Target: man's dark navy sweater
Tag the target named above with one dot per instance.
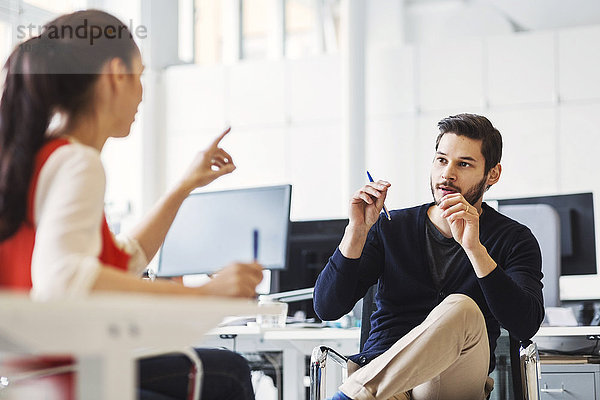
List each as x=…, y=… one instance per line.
x=394, y=257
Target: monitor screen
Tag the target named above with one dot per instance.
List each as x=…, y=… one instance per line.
x=577, y=234
x=213, y=229
x=311, y=245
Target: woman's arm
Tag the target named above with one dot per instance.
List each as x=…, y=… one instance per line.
x=236, y=280
x=68, y=215
x=207, y=166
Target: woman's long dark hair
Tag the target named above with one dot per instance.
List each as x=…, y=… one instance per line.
x=50, y=73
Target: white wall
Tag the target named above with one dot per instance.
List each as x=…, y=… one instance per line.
x=286, y=114
x=123, y=158
x=285, y=119
x=529, y=84
x=541, y=89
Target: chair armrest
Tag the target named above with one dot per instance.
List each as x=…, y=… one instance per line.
x=320, y=353
x=531, y=371
x=318, y=370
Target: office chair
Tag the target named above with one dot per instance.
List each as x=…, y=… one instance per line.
x=524, y=359
x=194, y=388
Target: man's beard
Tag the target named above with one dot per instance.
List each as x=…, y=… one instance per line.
x=472, y=196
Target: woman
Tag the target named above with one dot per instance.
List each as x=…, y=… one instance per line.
x=63, y=97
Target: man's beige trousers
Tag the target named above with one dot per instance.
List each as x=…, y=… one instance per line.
x=446, y=357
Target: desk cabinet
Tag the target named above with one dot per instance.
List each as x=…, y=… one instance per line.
x=570, y=381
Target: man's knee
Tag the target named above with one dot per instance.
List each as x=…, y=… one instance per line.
x=464, y=308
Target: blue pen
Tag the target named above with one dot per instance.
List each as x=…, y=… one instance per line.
x=255, y=244
x=387, y=213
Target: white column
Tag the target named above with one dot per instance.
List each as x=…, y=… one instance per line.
x=154, y=140
x=160, y=49
x=353, y=95
x=319, y=8
x=161, y=18
x=232, y=31
x=276, y=46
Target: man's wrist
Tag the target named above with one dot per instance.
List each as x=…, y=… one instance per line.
x=482, y=262
x=353, y=241
x=477, y=251
x=357, y=229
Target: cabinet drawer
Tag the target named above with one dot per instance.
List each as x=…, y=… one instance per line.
x=572, y=386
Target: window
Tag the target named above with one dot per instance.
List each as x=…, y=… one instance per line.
x=22, y=19
x=208, y=32
x=261, y=29
x=311, y=27
x=5, y=40
x=256, y=22
x=56, y=6
x=33, y=14
x=300, y=29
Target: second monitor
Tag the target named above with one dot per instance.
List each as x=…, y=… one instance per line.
x=311, y=244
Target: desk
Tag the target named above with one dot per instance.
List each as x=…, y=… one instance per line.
x=297, y=343
x=105, y=332
x=572, y=381
x=546, y=331
x=294, y=343
x=566, y=338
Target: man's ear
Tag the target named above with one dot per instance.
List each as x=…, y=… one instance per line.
x=494, y=175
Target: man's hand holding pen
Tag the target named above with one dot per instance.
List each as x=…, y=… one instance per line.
x=365, y=206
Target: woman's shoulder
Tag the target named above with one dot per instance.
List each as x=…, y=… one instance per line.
x=72, y=174
x=74, y=155
x=72, y=163
x=73, y=148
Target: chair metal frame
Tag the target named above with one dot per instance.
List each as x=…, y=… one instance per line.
x=526, y=370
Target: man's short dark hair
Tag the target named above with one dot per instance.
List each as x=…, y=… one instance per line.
x=475, y=127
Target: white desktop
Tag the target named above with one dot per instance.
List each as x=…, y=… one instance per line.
x=105, y=333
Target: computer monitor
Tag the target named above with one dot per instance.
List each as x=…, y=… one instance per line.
x=213, y=229
x=311, y=244
x=577, y=233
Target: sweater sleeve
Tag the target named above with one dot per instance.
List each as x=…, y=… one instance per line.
x=344, y=281
x=514, y=291
x=138, y=261
x=68, y=208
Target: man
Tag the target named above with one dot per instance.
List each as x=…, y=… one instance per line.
x=448, y=275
